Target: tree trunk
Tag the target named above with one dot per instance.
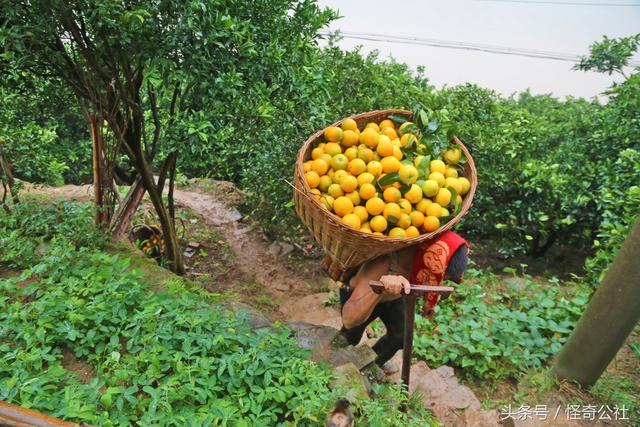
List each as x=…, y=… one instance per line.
x=100, y=176
x=121, y=220
x=173, y=255
x=5, y=168
x=608, y=320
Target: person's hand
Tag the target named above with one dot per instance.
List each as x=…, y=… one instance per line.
x=394, y=285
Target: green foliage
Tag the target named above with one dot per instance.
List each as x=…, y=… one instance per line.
x=45, y=137
x=620, y=198
x=610, y=55
x=25, y=233
x=495, y=331
x=247, y=84
x=166, y=357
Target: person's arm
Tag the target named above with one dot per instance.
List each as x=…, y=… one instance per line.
x=359, y=306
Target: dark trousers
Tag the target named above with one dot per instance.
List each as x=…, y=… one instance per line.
x=392, y=315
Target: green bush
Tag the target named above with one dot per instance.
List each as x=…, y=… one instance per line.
x=25, y=233
x=170, y=357
x=46, y=139
x=492, y=332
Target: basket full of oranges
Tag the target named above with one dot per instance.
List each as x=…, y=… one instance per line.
x=375, y=182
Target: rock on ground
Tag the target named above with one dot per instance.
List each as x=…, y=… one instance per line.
x=453, y=404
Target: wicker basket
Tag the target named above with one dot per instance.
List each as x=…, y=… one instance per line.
x=346, y=246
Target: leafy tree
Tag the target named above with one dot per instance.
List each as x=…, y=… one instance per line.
x=148, y=71
x=610, y=55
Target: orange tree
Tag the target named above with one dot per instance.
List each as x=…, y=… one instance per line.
x=143, y=73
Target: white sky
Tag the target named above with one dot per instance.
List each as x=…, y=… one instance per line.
x=558, y=28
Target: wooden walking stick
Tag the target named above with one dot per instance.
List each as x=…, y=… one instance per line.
x=409, y=320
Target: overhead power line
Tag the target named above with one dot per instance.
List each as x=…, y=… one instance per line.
x=566, y=3
x=449, y=44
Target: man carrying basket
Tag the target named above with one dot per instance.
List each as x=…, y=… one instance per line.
x=442, y=258
x=398, y=235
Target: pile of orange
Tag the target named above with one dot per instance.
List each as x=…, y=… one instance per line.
x=346, y=173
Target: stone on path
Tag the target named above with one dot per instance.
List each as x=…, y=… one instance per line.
x=310, y=309
x=349, y=377
x=254, y=317
x=453, y=404
x=328, y=346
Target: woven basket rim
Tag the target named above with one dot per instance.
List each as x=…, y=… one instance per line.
x=407, y=241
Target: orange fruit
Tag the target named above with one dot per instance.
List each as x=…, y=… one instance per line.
x=362, y=213
x=375, y=206
x=433, y=209
x=423, y=205
x=342, y=206
x=385, y=147
x=320, y=167
x=349, y=124
x=327, y=202
x=372, y=125
x=412, y=231
x=333, y=134
x=397, y=152
x=451, y=173
x=392, y=212
x=326, y=157
x=334, y=190
x=453, y=155
x=397, y=232
x=405, y=205
x=354, y=197
x=404, y=221
x=338, y=175
x=367, y=191
x=365, y=153
x=365, y=178
x=306, y=166
x=408, y=175
x=443, y=198
x=390, y=164
x=431, y=223
x=349, y=183
x=374, y=168
x=370, y=138
x=444, y=213
x=339, y=162
x=466, y=185
x=436, y=166
x=391, y=194
x=349, y=138
x=387, y=123
x=378, y=223
x=332, y=148
x=389, y=132
x=437, y=177
x=325, y=183
x=316, y=153
x=312, y=179
x=352, y=220
x=351, y=153
x=417, y=218
x=356, y=167
x=453, y=182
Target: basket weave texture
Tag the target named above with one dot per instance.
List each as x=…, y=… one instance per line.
x=346, y=246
